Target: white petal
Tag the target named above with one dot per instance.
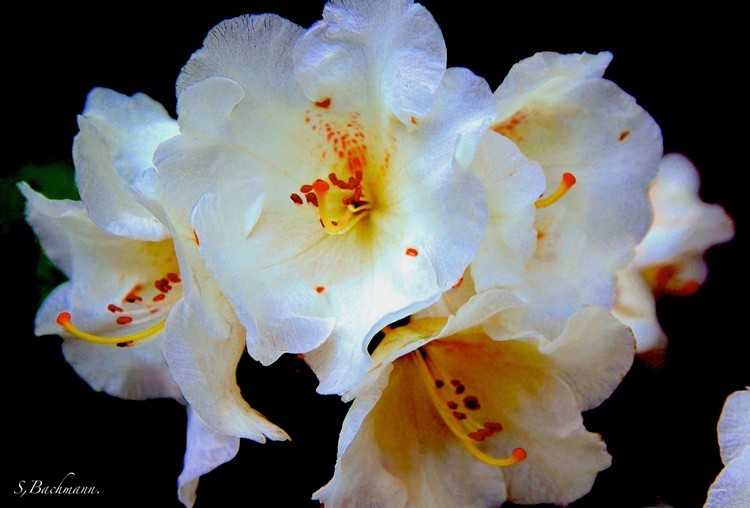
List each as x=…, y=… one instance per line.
x=684, y=227
x=136, y=373
x=734, y=426
x=592, y=355
x=364, y=53
x=512, y=183
x=205, y=450
x=118, y=137
x=204, y=366
x=571, y=120
x=563, y=458
x=636, y=307
x=731, y=489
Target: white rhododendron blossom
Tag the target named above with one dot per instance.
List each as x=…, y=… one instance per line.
x=322, y=174
x=110, y=313
x=477, y=409
x=120, y=291
x=599, y=151
x=732, y=487
x=669, y=260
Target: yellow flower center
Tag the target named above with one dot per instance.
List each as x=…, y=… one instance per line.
x=343, y=194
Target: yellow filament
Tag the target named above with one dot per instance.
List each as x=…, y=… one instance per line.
x=518, y=454
x=63, y=319
x=568, y=181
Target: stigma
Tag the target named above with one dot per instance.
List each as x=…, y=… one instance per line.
x=568, y=181
x=461, y=411
x=64, y=319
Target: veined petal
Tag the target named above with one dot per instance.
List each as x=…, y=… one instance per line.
x=364, y=53
x=205, y=450
x=118, y=137
x=635, y=306
x=734, y=426
x=592, y=355
x=512, y=183
x=562, y=114
x=731, y=489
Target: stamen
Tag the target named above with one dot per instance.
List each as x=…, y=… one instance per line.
x=63, y=319
x=568, y=181
x=328, y=209
x=462, y=425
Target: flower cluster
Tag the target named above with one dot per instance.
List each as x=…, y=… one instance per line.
x=471, y=269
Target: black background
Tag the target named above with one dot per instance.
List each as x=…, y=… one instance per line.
x=681, y=66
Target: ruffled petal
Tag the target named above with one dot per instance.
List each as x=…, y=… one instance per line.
x=731, y=489
x=512, y=183
x=684, y=227
x=563, y=115
x=635, y=306
x=205, y=450
x=118, y=137
x=365, y=53
x=592, y=355
x=734, y=426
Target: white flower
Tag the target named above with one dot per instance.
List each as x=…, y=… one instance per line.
x=669, y=260
x=323, y=175
x=599, y=151
x=480, y=408
x=732, y=487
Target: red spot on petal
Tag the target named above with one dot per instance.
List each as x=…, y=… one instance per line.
x=471, y=403
x=624, y=135
x=306, y=188
x=195, y=236
x=296, y=199
x=458, y=415
x=458, y=284
x=125, y=344
x=325, y=103
x=412, y=252
x=414, y=121
x=320, y=289
x=493, y=426
x=439, y=383
x=123, y=320
x=159, y=297
x=113, y=308
x=173, y=277
x=477, y=436
x=452, y=405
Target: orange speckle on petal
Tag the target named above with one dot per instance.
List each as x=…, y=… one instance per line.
x=412, y=252
x=159, y=297
x=414, y=120
x=123, y=320
x=624, y=135
x=325, y=103
x=113, y=308
x=195, y=236
x=320, y=289
x=458, y=283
